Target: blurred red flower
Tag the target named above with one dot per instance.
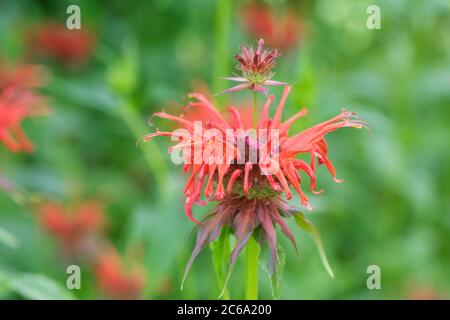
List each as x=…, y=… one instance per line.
x=19, y=101
x=75, y=229
x=115, y=281
x=22, y=75
x=425, y=292
x=55, y=40
x=17, y=104
x=279, y=30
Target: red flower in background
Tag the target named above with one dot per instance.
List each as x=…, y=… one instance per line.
x=279, y=30
x=22, y=75
x=115, y=281
x=79, y=231
x=17, y=102
x=55, y=40
x=76, y=228
x=423, y=291
x=248, y=196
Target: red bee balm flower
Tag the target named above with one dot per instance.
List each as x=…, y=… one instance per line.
x=17, y=104
x=114, y=280
x=257, y=69
x=55, y=40
x=19, y=101
x=281, y=29
x=22, y=75
x=73, y=229
x=251, y=195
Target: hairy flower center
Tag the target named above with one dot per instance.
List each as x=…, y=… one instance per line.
x=258, y=76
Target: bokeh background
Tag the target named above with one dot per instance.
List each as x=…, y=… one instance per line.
x=89, y=190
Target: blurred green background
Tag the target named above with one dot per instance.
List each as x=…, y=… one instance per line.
x=393, y=210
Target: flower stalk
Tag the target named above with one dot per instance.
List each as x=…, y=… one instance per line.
x=251, y=269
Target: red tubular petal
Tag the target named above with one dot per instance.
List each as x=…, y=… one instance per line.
x=260, y=48
x=289, y=171
x=245, y=52
x=9, y=141
x=150, y=136
x=308, y=137
x=264, y=118
x=188, y=187
x=236, y=117
x=208, y=189
x=275, y=186
x=248, y=167
x=223, y=169
x=277, y=117
x=284, y=184
x=236, y=173
x=185, y=123
x=209, y=107
x=330, y=168
x=194, y=195
x=188, y=209
x=302, y=165
x=286, y=125
x=25, y=144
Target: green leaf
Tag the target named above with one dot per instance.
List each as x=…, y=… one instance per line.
x=8, y=239
x=220, y=253
x=4, y=284
x=276, y=276
x=122, y=76
x=309, y=227
x=38, y=287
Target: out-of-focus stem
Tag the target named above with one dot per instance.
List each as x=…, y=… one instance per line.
x=222, y=43
x=152, y=154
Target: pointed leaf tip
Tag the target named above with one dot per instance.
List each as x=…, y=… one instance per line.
x=309, y=227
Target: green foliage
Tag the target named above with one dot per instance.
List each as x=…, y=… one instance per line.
x=392, y=209
x=34, y=287
x=309, y=227
x=220, y=249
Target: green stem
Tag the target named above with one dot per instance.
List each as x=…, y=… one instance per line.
x=222, y=27
x=251, y=269
x=255, y=109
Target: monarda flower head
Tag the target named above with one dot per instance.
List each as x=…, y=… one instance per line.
x=257, y=67
x=249, y=175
